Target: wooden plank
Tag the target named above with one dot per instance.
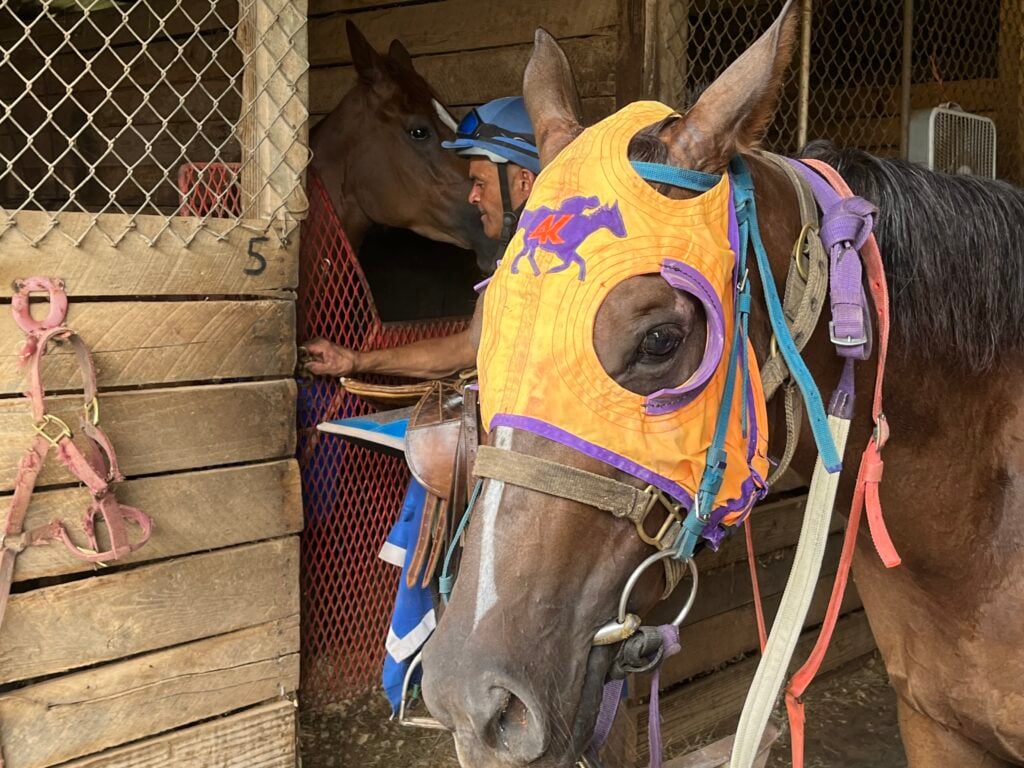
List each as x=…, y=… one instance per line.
x=134, y=150
x=193, y=512
x=473, y=77
x=163, y=430
x=140, y=23
x=275, y=99
x=458, y=25
x=167, y=61
x=633, y=60
x=161, y=342
x=776, y=525
x=713, y=703
x=219, y=100
x=154, y=606
x=721, y=638
x=89, y=711
x=594, y=109
x=261, y=737
x=146, y=188
x=215, y=263
x=322, y=7
x=597, y=109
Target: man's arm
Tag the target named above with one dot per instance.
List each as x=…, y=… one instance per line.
x=426, y=359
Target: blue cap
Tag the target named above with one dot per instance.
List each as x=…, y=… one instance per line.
x=501, y=131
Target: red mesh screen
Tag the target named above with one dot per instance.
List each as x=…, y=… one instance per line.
x=209, y=189
x=352, y=495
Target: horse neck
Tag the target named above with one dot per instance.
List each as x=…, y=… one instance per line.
x=331, y=143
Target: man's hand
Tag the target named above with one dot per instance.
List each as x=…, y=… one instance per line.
x=327, y=359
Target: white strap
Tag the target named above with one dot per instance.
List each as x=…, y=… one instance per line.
x=789, y=621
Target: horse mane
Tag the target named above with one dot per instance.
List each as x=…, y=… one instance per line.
x=953, y=247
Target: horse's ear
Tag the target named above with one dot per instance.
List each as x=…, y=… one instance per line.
x=365, y=58
x=399, y=53
x=552, y=99
x=735, y=110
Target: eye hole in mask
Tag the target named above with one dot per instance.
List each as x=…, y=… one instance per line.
x=649, y=335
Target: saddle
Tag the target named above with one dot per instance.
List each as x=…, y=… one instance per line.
x=440, y=447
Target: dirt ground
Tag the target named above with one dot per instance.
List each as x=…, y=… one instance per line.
x=851, y=724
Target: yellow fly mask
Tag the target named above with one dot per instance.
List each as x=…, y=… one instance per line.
x=592, y=222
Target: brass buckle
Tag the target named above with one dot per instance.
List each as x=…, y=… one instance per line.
x=63, y=429
x=657, y=496
x=92, y=411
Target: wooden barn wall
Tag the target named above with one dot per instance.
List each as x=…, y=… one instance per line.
x=186, y=652
x=471, y=51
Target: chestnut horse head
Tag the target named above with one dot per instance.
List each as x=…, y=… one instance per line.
x=380, y=158
x=513, y=668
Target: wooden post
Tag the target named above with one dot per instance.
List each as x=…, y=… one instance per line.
x=672, y=36
x=653, y=35
x=1009, y=128
x=273, y=130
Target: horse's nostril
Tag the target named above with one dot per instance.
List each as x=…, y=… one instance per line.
x=516, y=731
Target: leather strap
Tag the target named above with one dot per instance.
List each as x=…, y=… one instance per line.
x=439, y=537
x=431, y=503
x=554, y=479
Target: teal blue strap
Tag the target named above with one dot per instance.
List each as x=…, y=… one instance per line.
x=714, y=468
x=743, y=187
x=447, y=580
x=695, y=181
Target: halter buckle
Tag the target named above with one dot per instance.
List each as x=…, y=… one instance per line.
x=63, y=429
x=92, y=411
x=847, y=341
x=656, y=496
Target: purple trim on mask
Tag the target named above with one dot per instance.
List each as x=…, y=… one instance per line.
x=683, y=277
x=551, y=432
x=752, y=490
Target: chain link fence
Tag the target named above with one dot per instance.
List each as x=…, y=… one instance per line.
x=102, y=103
x=966, y=52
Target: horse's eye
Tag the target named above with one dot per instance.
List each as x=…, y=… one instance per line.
x=419, y=134
x=659, y=342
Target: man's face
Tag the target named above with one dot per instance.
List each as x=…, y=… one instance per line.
x=485, y=194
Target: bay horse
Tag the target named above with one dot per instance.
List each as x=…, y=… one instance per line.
x=512, y=669
x=379, y=155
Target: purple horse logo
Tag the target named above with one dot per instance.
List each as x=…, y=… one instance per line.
x=562, y=230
